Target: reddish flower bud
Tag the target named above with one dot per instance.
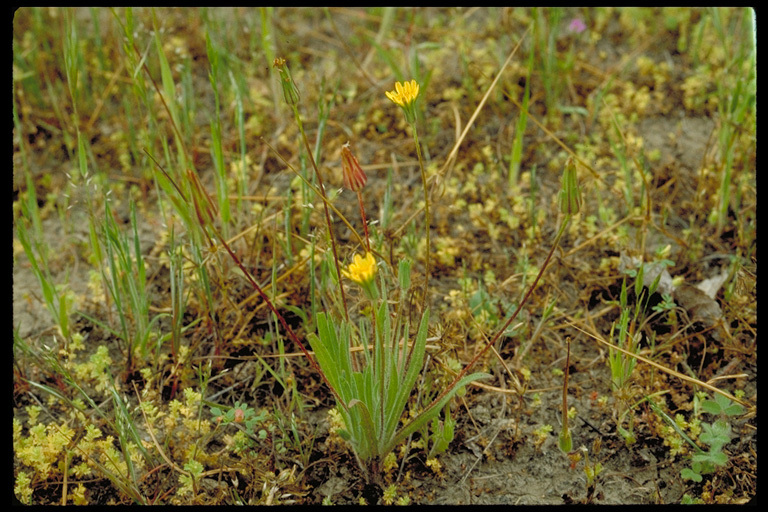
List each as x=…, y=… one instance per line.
x=354, y=177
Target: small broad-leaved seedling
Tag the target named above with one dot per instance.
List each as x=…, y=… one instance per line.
x=241, y=414
x=714, y=435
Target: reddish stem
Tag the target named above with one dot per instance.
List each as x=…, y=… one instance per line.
x=365, y=222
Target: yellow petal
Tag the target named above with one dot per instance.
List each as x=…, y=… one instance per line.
x=411, y=90
x=415, y=88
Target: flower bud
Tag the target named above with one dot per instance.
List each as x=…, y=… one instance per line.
x=290, y=92
x=354, y=177
x=570, y=194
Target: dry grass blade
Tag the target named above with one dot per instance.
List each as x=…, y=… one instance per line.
x=455, y=150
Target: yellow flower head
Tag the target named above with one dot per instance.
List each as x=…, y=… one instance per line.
x=405, y=95
x=362, y=270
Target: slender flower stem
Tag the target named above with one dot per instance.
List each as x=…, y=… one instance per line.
x=405, y=95
x=365, y=222
x=564, y=439
x=325, y=208
x=292, y=97
x=427, y=221
x=565, y=385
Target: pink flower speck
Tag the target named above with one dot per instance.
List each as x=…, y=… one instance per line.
x=577, y=26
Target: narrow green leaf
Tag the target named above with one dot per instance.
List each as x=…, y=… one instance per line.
x=368, y=450
x=413, y=366
x=426, y=415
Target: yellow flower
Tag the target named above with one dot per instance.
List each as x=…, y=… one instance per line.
x=404, y=94
x=362, y=269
